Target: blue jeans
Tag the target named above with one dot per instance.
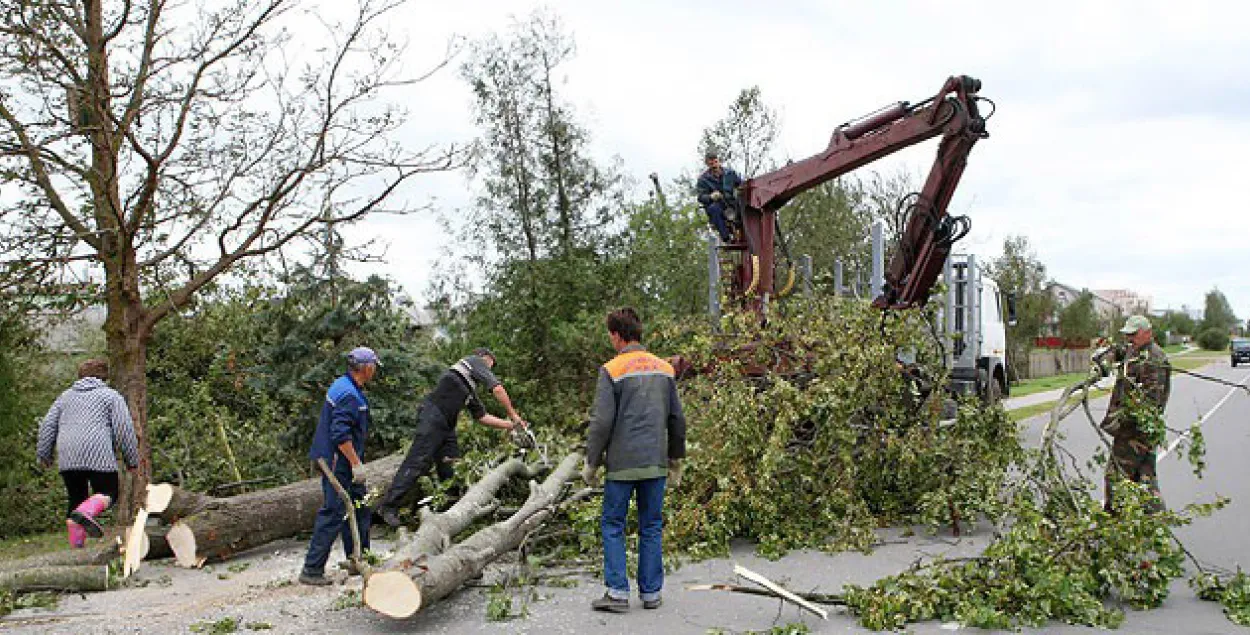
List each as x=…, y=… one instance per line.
x=332, y=520
x=616, y=495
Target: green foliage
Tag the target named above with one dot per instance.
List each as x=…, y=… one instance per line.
x=220, y=627
x=1174, y=323
x=34, y=497
x=1061, y=559
x=499, y=605
x=10, y=601
x=745, y=136
x=1078, y=322
x=824, y=449
x=1019, y=271
x=1217, y=314
x=1232, y=591
x=1213, y=339
x=254, y=364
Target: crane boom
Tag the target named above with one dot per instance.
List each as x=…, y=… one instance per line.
x=928, y=230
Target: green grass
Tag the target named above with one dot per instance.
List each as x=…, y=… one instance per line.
x=1173, y=349
x=22, y=546
x=1042, y=384
x=1020, y=414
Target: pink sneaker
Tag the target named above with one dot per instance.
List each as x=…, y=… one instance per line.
x=77, y=535
x=84, y=515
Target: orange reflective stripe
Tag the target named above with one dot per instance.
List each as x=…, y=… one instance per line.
x=637, y=362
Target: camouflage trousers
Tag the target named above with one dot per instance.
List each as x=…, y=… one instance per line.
x=1133, y=460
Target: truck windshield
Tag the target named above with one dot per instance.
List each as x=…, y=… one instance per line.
x=1241, y=345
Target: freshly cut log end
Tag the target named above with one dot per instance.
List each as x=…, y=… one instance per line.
x=393, y=594
x=182, y=542
x=136, y=544
x=159, y=496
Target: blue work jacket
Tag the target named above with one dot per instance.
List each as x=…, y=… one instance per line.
x=344, y=417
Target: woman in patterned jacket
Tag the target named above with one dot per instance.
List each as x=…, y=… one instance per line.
x=83, y=425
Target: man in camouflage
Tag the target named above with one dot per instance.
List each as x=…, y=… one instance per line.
x=1135, y=416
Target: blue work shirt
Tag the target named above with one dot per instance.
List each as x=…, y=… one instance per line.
x=344, y=417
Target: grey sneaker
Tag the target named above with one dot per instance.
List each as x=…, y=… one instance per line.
x=610, y=604
x=312, y=579
x=653, y=604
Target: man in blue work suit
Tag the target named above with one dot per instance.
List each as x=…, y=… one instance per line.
x=340, y=440
x=717, y=189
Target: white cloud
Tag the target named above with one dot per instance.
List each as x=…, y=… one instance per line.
x=1119, y=145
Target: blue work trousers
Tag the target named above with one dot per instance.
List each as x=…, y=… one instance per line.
x=332, y=520
x=616, y=495
x=716, y=216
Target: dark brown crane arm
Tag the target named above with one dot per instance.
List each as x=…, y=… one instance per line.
x=929, y=231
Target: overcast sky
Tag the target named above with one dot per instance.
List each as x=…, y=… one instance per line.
x=1119, y=146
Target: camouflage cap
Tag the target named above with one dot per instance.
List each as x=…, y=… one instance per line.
x=1134, y=324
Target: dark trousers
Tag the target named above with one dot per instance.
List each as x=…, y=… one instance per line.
x=77, y=483
x=716, y=216
x=433, y=445
x=1134, y=460
x=332, y=520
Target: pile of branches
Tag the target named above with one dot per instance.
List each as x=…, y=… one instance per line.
x=834, y=439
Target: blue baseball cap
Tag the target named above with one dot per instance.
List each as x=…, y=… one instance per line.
x=362, y=355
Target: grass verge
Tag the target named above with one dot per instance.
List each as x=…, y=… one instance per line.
x=22, y=546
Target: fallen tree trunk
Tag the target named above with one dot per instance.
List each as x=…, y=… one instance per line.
x=222, y=527
x=92, y=577
x=436, y=531
x=65, y=558
x=402, y=593
x=173, y=503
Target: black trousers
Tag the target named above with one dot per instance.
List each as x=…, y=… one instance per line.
x=77, y=482
x=434, y=443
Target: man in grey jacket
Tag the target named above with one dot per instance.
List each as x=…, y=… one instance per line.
x=637, y=425
x=84, y=425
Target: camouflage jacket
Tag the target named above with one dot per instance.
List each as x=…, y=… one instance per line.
x=1145, y=370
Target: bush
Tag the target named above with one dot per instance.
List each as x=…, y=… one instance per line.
x=1213, y=339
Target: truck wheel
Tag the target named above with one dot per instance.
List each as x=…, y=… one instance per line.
x=993, y=392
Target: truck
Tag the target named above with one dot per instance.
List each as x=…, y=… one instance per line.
x=976, y=316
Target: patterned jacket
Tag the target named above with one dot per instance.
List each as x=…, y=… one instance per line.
x=84, y=424
x=1147, y=370
x=637, y=420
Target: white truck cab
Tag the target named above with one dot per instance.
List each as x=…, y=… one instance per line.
x=976, y=315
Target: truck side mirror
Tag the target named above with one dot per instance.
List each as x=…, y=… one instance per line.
x=1011, y=308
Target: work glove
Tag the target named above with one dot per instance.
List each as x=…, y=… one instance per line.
x=674, y=472
x=716, y=196
x=590, y=474
x=358, y=474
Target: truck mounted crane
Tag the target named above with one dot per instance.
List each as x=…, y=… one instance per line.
x=928, y=230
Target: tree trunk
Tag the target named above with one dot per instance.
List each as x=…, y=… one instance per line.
x=400, y=593
x=93, y=577
x=223, y=527
x=436, y=531
x=63, y=558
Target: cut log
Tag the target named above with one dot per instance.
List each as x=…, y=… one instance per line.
x=173, y=503
x=400, y=594
x=93, y=577
x=223, y=527
x=136, y=544
x=65, y=558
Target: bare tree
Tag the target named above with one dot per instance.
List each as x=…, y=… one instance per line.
x=166, y=142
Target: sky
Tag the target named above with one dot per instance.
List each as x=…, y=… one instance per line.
x=1118, y=147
